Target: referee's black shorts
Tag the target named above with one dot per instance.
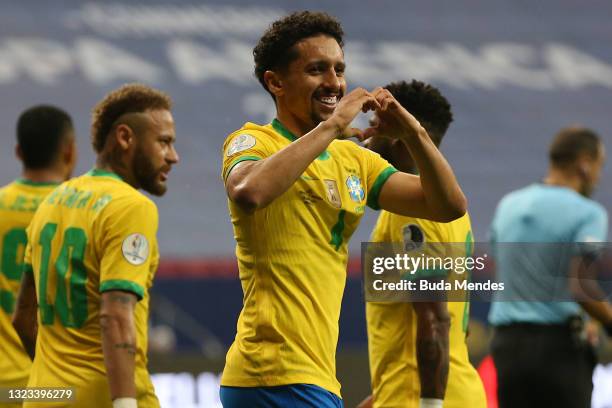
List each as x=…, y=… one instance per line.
x=542, y=366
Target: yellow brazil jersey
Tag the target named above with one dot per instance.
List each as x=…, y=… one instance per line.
x=92, y=234
x=18, y=202
x=392, y=328
x=292, y=258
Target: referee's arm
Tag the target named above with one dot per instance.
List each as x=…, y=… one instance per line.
x=588, y=293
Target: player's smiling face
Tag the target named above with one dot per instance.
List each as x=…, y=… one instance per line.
x=155, y=154
x=313, y=83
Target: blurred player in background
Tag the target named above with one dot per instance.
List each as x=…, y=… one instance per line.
x=296, y=195
x=408, y=344
x=93, y=254
x=541, y=357
x=47, y=149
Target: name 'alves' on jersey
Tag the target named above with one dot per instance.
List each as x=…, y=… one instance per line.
x=292, y=258
x=392, y=327
x=18, y=202
x=92, y=234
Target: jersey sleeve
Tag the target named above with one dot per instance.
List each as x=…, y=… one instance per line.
x=594, y=227
x=425, y=240
x=128, y=246
x=382, y=230
x=378, y=171
x=244, y=145
x=27, y=258
x=591, y=233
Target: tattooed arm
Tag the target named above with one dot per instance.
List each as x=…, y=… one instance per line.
x=119, y=341
x=24, y=319
x=433, y=323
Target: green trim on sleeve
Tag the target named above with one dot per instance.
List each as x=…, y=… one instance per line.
x=27, y=268
x=377, y=187
x=120, y=284
x=239, y=160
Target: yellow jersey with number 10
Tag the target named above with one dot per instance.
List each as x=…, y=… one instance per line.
x=92, y=234
x=18, y=202
x=392, y=327
x=292, y=258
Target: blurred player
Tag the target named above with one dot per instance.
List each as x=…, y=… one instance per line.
x=93, y=253
x=541, y=356
x=296, y=195
x=402, y=335
x=46, y=147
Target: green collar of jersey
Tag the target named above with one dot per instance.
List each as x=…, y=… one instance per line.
x=103, y=173
x=27, y=182
x=286, y=133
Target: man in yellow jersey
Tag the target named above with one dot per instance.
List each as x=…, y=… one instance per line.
x=296, y=194
x=93, y=254
x=47, y=149
x=401, y=336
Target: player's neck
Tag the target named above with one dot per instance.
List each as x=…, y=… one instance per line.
x=42, y=175
x=293, y=124
x=561, y=178
x=118, y=168
x=405, y=166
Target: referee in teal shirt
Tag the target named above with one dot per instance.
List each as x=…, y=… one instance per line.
x=540, y=356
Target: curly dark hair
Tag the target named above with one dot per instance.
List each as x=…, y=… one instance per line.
x=427, y=104
x=275, y=48
x=129, y=98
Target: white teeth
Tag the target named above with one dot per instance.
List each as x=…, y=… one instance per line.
x=329, y=99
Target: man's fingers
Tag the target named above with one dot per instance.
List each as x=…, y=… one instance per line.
x=370, y=104
x=377, y=91
x=368, y=133
x=352, y=132
x=384, y=104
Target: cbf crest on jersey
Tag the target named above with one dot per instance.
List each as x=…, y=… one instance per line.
x=354, y=187
x=240, y=143
x=135, y=249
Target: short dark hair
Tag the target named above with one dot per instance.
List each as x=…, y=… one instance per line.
x=274, y=49
x=572, y=142
x=129, y=98
x=426, y=104
x=41, y=130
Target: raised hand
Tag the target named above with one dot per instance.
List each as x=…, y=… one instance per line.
x=358, y=100
x=393, y=120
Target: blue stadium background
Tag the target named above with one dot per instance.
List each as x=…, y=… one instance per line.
x=514, y=71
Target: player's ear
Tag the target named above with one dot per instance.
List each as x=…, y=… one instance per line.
x=583, y=167
x=124, y=136
x=18, y=152
x=70, y=157
x=273, y=82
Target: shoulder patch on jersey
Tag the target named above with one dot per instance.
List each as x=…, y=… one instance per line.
x=135, y=249
x=240, y=143
x=413, y=237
